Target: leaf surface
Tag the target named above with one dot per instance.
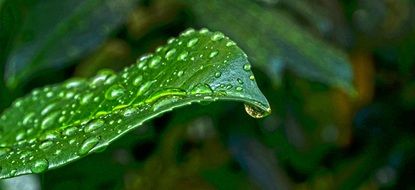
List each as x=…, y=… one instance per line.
x=57, y=124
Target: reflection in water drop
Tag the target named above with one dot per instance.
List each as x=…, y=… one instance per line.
x=256, y=112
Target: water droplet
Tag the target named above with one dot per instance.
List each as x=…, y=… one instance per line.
x=155, y=62
x=45, y=144
x=228, y=44
x=255, y=112
x=240, y=81
x=247, y=67
x=86, y=99
x=239, y=88
x=101, y=77
x=49, y=120
x=88, y=145
x=144, y=88
x=188, y=32
x=203, y=31
x=164, y=102
x=69, y=131
x=114, y=92
x=217, y=36
x=40, y=166
x=218, y=74
x=170, y=54
x=213, y=54
x=73, y=83
x=28, y=118
x=94, y=125
x=137, y=80
x=129, y=112
x=47, y=109
x=251, y=77
x=180, y=73
x=182, y=55
x=201, y=89
x=192, y=42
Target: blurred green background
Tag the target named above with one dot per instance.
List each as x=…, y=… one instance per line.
x=339, y=75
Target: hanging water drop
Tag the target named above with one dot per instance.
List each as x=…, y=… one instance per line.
x=255, y=112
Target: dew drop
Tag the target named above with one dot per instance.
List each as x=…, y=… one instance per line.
x=188, y=32
x=255, y=112
x=239, y=81
x=228, y=44
x=94, y=125
x=88, y=145
x=129, y=112
x=40, y=166
x=45, y=144
x=86, y=99
x=203, y=31
x=144, y=88
x=247, y=67
x=217, y=36
x=251, y=77
x=69, y=131
x=49, y=120
x=73, y=83
x=155, y=62
x=137, y=80
x=218, y=74
x=213, y=54
x=170, y=54
x=180, y=73
x=192, y=42
x=182, y=56
x=114, y=92
x=28, y=118
x=201, y=89
x=239, y=88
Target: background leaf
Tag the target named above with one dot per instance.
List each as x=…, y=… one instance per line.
x=69, y=30
x=58, y=124
x=278, y=43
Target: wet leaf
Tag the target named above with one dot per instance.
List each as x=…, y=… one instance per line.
x=68, y=30
x=57, y=124
x=275, y=41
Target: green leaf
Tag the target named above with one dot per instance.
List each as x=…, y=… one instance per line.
x=55, y=33
x=61, y=123
x=275, y=42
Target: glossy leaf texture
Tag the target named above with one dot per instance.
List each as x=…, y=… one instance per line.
x=275, y=42
x=61, y=123
x=70, y=29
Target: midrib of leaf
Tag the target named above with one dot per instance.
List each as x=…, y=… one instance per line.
x=39, y=118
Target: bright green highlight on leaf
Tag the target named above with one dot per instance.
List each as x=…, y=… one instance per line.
x=61, y=123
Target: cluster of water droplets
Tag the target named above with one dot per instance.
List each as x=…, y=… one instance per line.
x=82, y=114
